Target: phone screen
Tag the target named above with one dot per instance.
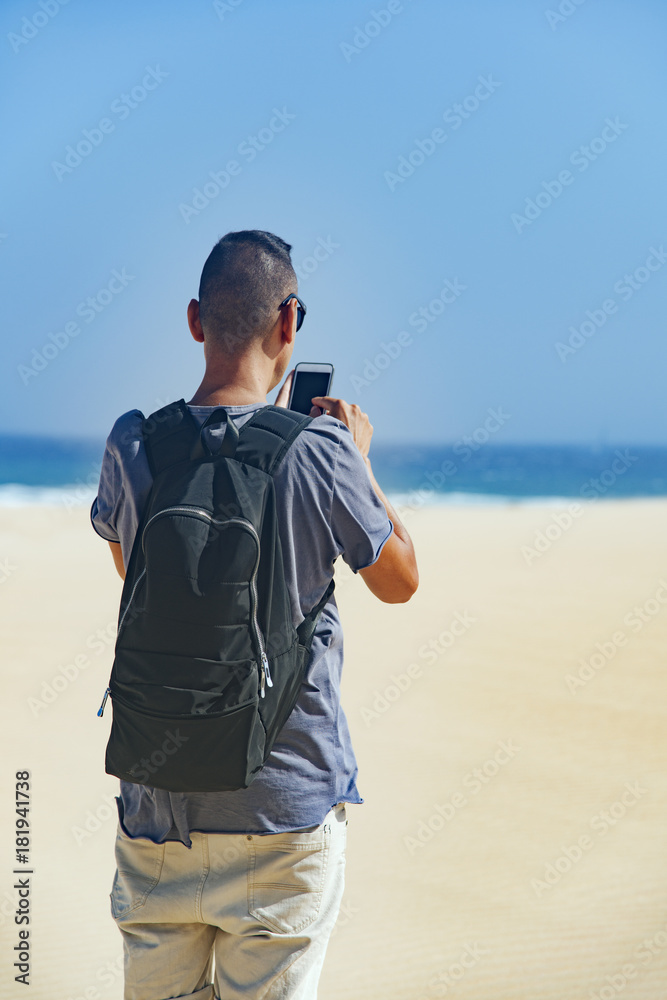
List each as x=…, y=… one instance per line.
x=307, y=385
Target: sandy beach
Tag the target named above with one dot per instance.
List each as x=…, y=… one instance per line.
x=509, y=724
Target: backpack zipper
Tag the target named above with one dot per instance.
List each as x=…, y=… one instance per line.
x=205, y=515
x=100, y=711
x=136, y=584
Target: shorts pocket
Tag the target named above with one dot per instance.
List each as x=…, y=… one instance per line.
x=286, y=877
x=138, y=868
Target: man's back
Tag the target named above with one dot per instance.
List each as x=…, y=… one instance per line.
x=326, y=507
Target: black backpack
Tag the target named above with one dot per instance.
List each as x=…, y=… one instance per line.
x=208, y=664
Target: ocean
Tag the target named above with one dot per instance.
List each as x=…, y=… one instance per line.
x=45, y=470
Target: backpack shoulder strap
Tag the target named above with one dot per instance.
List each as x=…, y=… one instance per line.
x=265, y=438
x=169, y=435
x=263, y=442
x=306, y=630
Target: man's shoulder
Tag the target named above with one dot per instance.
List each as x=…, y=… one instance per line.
x=131, y=421
x=126, y=432
x=325, y=433
x=324, y=452
x=318, y=446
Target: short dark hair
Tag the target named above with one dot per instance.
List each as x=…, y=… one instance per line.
x=245, y=278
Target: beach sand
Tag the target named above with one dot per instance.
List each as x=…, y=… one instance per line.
x=512, y=841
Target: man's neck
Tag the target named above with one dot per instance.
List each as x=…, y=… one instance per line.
x=238, y=387
x=227, y=396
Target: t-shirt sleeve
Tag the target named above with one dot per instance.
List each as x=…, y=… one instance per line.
x=104, y=510
x=115, y=511
x=359, y=521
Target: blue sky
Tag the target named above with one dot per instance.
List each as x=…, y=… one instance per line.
x=440, y=276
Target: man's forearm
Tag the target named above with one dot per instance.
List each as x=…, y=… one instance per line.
x=118, y=558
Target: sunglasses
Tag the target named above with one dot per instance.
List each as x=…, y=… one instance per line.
x=300, y=310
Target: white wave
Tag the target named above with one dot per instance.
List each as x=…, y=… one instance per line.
x=20, y=495
x=418, y=499
x=78, y=495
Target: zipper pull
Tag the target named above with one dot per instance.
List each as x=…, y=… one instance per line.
x=100, y=712
x=262, y=682
x=265, y=664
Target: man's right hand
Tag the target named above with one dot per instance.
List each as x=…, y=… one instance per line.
x=352, y=416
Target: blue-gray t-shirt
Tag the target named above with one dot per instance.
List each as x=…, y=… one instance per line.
x=326, y=507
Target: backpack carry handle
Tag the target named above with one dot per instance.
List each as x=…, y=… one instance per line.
x=229, y=441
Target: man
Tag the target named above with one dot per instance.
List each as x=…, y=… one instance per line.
x=253, y=878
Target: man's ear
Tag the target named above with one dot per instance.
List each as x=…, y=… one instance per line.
x=288, y=321
x=194, y=322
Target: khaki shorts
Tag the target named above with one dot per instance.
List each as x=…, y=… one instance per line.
x=235, y=915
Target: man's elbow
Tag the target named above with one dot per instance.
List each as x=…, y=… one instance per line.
x=405, y=590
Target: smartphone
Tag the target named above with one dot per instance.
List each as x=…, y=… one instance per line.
x=309, y=380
